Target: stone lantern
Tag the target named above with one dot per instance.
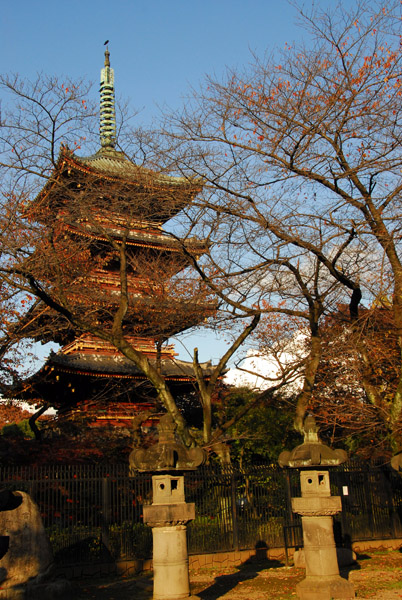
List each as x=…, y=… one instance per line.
x=316, y=507
x=169, y=513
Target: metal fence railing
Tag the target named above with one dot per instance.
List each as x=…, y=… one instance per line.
x=94, y=513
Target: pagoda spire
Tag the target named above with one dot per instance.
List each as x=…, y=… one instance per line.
x=107, y=108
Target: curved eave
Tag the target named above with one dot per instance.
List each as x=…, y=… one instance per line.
x=167, y=243
x=131, y=175
x=114, y=165
x=38, y=330
x=95, y=364
x=134, y=377
x=57, y=366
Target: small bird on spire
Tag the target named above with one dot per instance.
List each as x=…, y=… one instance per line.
x=106, y=43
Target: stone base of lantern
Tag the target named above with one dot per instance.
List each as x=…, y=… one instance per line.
x=322, y=581
x=170, y=563
x=315, y=588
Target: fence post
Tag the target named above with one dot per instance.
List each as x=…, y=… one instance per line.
x=290, y=518
x=369, y=503
x=393, y=516
x=342, y=479
x=234, y=512
x=105, y=515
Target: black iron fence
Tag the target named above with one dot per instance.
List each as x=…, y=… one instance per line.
x=94, y=513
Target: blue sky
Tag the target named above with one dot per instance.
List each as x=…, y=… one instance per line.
x=159, y=48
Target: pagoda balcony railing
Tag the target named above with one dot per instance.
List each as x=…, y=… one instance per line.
x=135, y=283
x=124, y=410
x=157, y=238
x=93, y=344
x=123, y=221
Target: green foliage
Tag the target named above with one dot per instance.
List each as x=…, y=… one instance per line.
x=82, y=543
x=18, y=430
x=205, y=535
x=262, y=434
x=85, y=542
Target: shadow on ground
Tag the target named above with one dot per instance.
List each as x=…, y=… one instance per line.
x=355, y=566
x=138, y=588
x=245, y=572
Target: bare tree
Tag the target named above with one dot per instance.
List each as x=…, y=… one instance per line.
x=72, y=257
x=301, y=160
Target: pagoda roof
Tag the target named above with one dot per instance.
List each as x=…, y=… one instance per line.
x=158, y=239
x=165, y=195
x=119, y=366
x=71, y=373
x=44, y=324
x=111, y=162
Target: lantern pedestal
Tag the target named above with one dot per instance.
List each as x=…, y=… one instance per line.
x=170, y=560
x=316, y=506
x=168, y=516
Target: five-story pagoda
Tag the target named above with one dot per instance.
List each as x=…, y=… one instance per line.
x=107, y=257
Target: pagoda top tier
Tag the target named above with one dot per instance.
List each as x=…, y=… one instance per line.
x=109, y=173
x=108, y=160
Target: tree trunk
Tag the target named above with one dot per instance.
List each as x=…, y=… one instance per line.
x=310, y=372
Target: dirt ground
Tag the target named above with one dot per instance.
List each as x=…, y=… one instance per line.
x=376, y=575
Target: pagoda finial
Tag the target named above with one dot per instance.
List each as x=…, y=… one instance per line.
x=107, y=109
x=107, y=54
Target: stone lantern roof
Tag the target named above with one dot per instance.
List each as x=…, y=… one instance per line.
x=168, y=454
x=312, y=452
